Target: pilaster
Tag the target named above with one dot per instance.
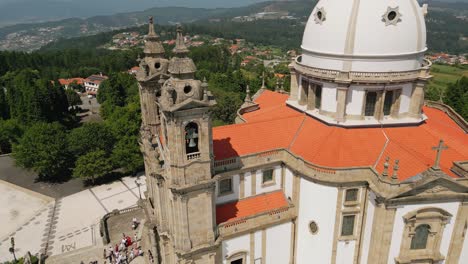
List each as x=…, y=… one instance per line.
x=381, y=238
x=459, y=235
x=417, y=99
x=310, y=96
x=342, y=92
x=294, y=84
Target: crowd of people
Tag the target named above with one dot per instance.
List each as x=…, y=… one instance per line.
x=126, y=251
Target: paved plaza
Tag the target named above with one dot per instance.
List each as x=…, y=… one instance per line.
x=38, y=222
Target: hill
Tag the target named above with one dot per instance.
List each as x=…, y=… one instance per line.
x=447, y=26
x=33, y=11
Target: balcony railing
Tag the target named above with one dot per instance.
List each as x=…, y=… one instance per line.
x=255, y=221
x=193, y=156
x=377, y=77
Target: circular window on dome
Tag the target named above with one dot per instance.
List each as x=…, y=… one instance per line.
x=320, y=15
x=313, y=227
x=187, y=89
x=157, y=65
x=392, y=16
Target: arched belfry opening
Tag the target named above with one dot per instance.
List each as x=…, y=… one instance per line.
x=191, y=138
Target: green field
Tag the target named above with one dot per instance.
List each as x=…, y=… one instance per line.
x=443, y=75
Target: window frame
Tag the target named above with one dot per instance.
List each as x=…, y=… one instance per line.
x=352, y=235
x=351, y=202
x=366, y=102
x=239, y=255
x=270, y=182
x=220, y=193
x=413, y=245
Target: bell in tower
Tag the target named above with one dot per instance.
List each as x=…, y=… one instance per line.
x=185, y=105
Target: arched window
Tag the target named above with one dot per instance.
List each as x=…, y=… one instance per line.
x=371, y=99
x=419, y=240
x=191, y=138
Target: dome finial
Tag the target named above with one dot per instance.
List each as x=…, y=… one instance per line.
x=151, y=31
x=247, y=96
x=263, y=81
x=180, y=47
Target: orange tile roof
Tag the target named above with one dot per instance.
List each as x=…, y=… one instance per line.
x=275, y=125
x=242, y=139
x=253, y=205
x=70, y=81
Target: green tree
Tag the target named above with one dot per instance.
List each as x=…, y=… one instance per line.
x=226, y=108
x=73, y=98
x=457, y=96
x=43, y=148
x=117, y=89
x=10, y=132
x=127, y=155
x=92, y=166
x=4, y=107
x=34, y=99
x=91, y=137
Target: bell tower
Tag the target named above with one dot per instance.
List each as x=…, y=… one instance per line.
x=187, y=223
x=153, y=68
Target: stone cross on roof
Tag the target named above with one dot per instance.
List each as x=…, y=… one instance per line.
x=439, y=149
x=263, y=81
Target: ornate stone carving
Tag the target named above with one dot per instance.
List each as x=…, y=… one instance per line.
x=392, y=16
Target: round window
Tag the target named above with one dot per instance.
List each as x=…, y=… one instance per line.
x=187, y=89
x=319, y=15
x=313, y=227
x=391, y=15
x=157, y=65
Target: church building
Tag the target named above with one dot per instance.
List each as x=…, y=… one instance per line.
x=351, y=166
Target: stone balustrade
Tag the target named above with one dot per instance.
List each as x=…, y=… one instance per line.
x=365, y=77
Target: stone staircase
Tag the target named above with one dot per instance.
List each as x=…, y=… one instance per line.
x=87, y=254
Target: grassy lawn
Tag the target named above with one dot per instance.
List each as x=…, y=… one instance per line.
x=443, y=75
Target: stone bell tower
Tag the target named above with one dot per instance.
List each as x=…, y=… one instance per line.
x=184, y=195
x=153, y=68
x=150, y=76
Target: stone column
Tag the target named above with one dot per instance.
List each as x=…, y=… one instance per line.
x=417, y=99
x=395, y=111
x=378, y=112
x=311, y=96
x=294, y=84
x=302, y=88
x=342, y=92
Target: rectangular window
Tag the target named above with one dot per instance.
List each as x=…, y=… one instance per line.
x=388, y=102
x=237, y=261
x=351, y=195
x=318, y=96
x=347, y=228
x=267, y=176
x=225, y=186
x=371, y=99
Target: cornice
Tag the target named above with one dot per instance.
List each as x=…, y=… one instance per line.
x=387, y=190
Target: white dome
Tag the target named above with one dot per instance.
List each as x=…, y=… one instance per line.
x=365, y=35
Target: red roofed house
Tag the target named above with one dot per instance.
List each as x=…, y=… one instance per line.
x=66, y=82
x=93, y=82
x=352, y=166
